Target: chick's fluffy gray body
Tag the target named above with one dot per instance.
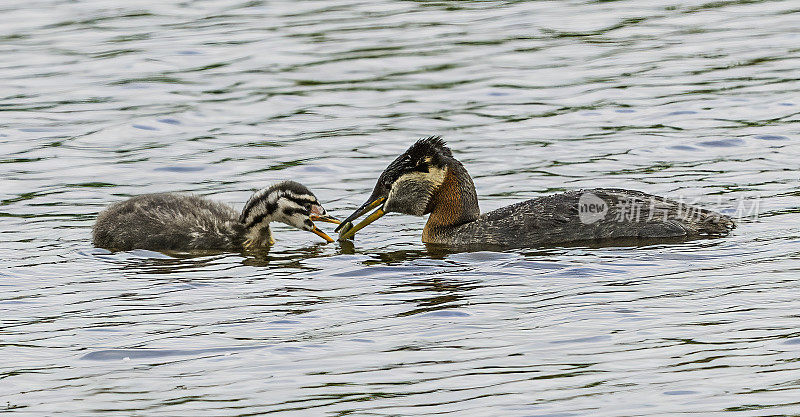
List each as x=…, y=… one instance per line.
x=169, y=221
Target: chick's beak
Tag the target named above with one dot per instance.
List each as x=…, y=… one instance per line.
x=315, y=216
x=321, y=234
x=323, y=218
x=347, y=230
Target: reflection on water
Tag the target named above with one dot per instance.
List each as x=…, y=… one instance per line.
x=104, y=100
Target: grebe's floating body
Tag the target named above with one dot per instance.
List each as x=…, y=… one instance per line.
x=168, y=221
x=426, y=179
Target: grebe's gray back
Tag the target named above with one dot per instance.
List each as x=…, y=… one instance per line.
x=558, y=218
x=170, y=221
x=426, y=179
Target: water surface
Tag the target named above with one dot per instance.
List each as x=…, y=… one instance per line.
x=101, y=100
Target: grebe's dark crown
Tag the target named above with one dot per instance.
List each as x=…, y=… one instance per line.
x=427, y=152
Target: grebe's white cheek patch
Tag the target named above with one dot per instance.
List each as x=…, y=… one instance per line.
x=591, y=208
x=411, y=192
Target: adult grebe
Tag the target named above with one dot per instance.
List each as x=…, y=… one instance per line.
x=427, y=179
x=168, y=221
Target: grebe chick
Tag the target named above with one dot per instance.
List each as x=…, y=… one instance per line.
x=169, y=221
x=426, y=179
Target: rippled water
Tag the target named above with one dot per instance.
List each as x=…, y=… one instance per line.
x=101, y=100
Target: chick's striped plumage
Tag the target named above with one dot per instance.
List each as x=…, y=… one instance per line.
x=169, y=221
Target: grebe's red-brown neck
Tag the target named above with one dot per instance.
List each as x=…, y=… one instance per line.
x=454, y=202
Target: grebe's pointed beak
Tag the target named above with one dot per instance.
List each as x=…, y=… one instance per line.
x=347, y=230
x=369, y=205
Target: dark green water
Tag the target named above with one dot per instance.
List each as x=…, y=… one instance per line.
x=101, y=100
